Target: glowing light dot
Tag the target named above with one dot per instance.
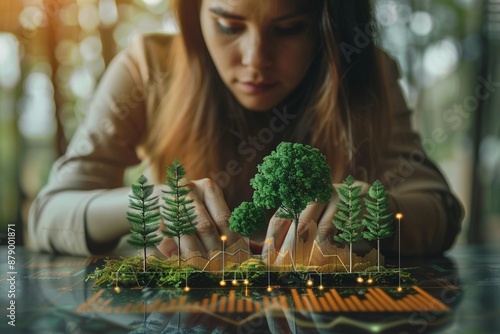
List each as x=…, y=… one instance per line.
x=399, y=216
x=246, y=282
x=223, y=237
x=321, y=287
x=222, y=283
x=369, y=281
x=117, y=289
x=268, y=241
x=360, y=279
x=399, y=289
x=269, y=289
x=309, y=282
x=235, y=282
x=187, y=288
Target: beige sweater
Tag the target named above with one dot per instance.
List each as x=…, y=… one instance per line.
x=87, y=182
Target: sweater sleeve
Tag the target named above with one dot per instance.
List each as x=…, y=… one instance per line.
x=87, y=181
x=431, y=213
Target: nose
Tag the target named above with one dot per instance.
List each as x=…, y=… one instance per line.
x=255, y=51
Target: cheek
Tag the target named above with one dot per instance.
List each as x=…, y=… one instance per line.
x=225, y=58
x=295, y=60
x=213, y=43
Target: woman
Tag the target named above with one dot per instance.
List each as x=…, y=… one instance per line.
x=238, y=79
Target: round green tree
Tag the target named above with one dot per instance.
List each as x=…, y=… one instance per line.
x=247, y=219
x=290, y=178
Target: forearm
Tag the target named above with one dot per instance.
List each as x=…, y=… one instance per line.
x=106, y=219
x=56, y=221
x=79, y=222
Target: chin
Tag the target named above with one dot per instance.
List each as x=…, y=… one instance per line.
x=261, y=106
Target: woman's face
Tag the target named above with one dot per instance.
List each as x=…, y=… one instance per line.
x=261, y=48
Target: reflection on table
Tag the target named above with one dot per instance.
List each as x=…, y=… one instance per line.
x=53, y=296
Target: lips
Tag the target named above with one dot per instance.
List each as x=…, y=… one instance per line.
x=254, y=87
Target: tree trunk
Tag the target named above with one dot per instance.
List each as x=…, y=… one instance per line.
x=378, y=255
x=250, y=249
x=350, y=257
x=179, y=252
x=294, y=257
x=144, y=260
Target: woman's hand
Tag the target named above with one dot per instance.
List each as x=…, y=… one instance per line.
x=281, y=232
x=212, y=221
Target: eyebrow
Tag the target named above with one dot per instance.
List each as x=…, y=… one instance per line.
x=225, y=14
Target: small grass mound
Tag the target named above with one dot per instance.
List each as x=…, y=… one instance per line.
x=128, y=272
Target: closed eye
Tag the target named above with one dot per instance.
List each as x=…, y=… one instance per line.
x=227, y=28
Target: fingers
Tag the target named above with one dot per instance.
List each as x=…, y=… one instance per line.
x=213, y=215
x=326, y=228
x=190, y=247
x=281, y=232
x=167, y=247
x=206, y=230
x=212, y=221
x=311, y=213
x=276, y=233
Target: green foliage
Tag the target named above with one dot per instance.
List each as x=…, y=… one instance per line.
x=247, y=218
x=290, y=178
x=143, y=216
x=378, y=220
x=253, y=265
x=348, y=221
x=161, y=273
x=178, y=213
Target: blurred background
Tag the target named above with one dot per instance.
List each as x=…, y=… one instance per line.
x=53, y=53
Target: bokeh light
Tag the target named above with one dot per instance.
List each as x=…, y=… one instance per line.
x=441, y=58
x=91, y=48
x=68, y=15
x=152, y=2
x=37, y=107
x=421, y=23
x=88, y=17
x=66, y=52
x=108, y=12
x=32, y=18
x=82, y=83
x=10, y=71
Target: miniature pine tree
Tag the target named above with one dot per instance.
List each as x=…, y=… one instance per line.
x=290, y=178
x=378, y=221
x=178, y=213
x=143, y=216
x=348, y=221
x=246, y=219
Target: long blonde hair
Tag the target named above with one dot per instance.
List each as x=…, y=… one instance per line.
x=342, y=106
